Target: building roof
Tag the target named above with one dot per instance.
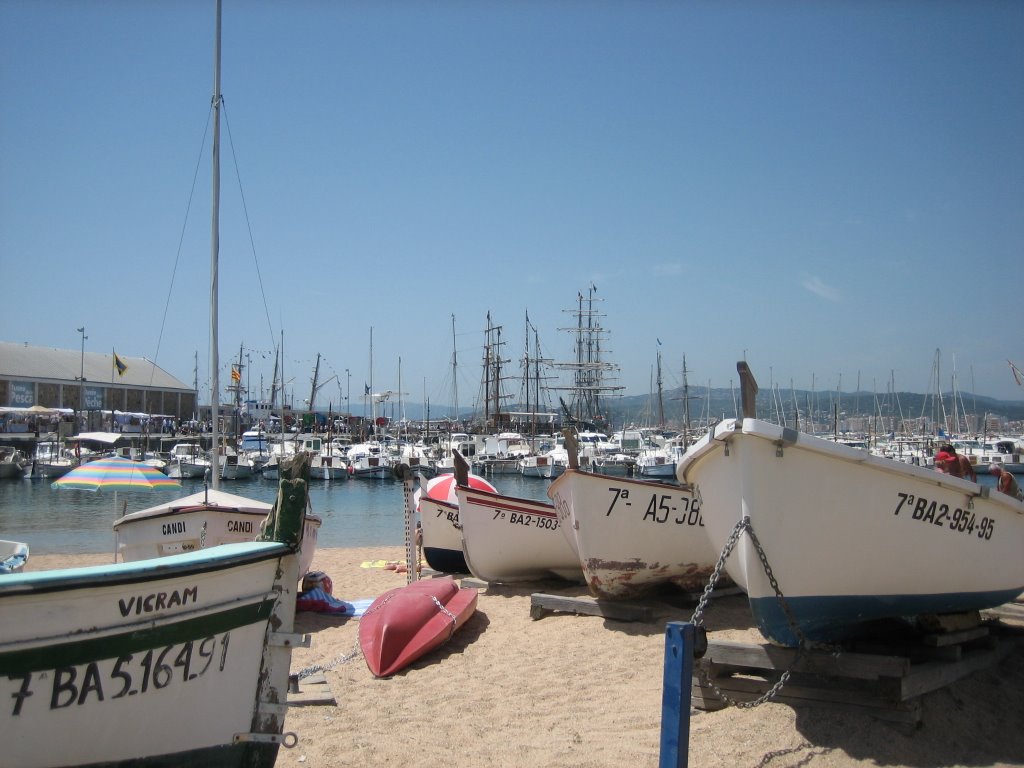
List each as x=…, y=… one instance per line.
x=22, y=361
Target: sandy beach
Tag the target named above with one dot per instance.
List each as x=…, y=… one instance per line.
x=575, y=690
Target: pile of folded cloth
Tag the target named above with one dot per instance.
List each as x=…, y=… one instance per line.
x=316, y=597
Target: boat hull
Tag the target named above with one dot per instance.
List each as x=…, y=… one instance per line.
x=442, y=539
x=149, y=663
x=633, y=535
x=202, y=520
x=406, y=623
x=852, y=538
x=507, y=539
x=543, y=467
x=13, y=556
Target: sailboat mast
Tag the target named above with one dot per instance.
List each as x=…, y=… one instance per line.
x=455, y=372
x=214, y=264
x=661, y=401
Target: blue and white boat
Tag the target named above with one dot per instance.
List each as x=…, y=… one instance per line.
x=13, y=556
x=852, y=538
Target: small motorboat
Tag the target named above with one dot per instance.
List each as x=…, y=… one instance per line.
x=13, y=556
x=406, y=623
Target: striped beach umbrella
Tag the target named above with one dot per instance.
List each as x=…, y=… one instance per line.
x=443, y=488
x=116, y=474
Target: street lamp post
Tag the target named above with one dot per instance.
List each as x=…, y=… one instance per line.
x=81, y=378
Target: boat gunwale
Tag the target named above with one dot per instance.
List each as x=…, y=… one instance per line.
x=210, y=560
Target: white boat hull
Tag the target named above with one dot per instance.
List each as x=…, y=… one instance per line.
x=328, y=468
x=544, y=467
x=199, y=521
x=633, y=535
x=152, y=663
x=507, y=539
x=442, y=539
x=851, y=537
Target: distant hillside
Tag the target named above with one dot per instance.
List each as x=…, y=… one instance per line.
x=725, y=403
x=642, y=409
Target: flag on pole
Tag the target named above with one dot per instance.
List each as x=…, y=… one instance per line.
x=236, y=375
x=120, y=365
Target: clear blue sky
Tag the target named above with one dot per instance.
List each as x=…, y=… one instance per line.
x=833, y=189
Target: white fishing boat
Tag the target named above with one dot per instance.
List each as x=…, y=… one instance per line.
x=234, y=466
x=181, y=660
x=613, y=465
x=442, y=539
x=13, y=556
x=371, y=461
x=188, y=459
x=850, y=537
x=328, y=459
x=12, y=463
x=547, y=465
x=208, y=518
x=633, y=535
x=52, y=459
x=416, y=457
x=254, y=446
x=657, y=463
x=1005, y=452
x=507, y=539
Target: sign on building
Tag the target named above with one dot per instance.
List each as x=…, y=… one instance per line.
x=23, y=394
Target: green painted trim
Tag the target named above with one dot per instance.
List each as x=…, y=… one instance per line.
x=83, y=651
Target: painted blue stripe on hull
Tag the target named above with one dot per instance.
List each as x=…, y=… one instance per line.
x=838, y=617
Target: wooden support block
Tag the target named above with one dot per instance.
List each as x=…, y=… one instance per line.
x=310, y=691
x=830, y=694
x=886, y=686
x=541, y=603
x=955, y=638
x=933, y=675
x=866, y=666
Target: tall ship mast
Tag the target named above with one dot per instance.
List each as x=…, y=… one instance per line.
x=592, y=376
x=493, y=383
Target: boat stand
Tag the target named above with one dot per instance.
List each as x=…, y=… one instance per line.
x=883, y=679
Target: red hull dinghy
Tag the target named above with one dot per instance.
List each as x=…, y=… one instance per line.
x=406, y=623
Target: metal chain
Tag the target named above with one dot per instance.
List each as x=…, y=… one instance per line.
x=698, y=615
x=443, y=609
x=356, y=651
x=337, y=661
x=343, y=658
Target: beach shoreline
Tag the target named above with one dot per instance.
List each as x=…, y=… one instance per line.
x=577, y=690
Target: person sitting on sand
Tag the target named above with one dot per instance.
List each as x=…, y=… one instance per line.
x=1005, y=482
x=952, y=463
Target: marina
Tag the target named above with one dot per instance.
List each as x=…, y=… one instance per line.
x=216, y=552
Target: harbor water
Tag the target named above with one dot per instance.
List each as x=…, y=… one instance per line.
x=355, y=513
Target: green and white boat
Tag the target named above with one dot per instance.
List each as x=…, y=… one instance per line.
x=180, y=660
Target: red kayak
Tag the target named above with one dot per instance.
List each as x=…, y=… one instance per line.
x=406, y=623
